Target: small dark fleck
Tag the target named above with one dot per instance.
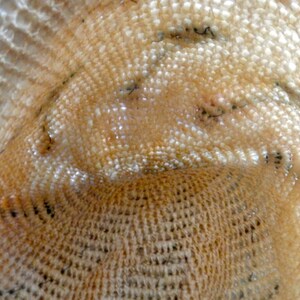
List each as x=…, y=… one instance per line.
x=267, y=158
x=13, y=214
x=278, y=156
x=206, y=31
x=140, y=250
x=130, y=89
x=35, y=209
x=252, y=277
x=11, y=291
x=48, y=143
x=49, y=209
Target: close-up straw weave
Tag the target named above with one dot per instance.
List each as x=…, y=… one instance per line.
x=150, y=149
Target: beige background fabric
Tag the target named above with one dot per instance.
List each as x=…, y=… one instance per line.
x=149, y=149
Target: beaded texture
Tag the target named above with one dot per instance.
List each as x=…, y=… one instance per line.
x=149, y=149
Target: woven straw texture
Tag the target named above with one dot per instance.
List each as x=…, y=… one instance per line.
x=150, y=149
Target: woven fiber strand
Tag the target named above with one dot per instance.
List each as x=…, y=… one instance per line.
x=149, y=149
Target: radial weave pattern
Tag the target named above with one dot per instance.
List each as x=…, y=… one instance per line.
x=149, y=149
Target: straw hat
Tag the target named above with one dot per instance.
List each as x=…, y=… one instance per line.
x=149, y=149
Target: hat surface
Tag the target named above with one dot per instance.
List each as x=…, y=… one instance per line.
x=149, y=149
